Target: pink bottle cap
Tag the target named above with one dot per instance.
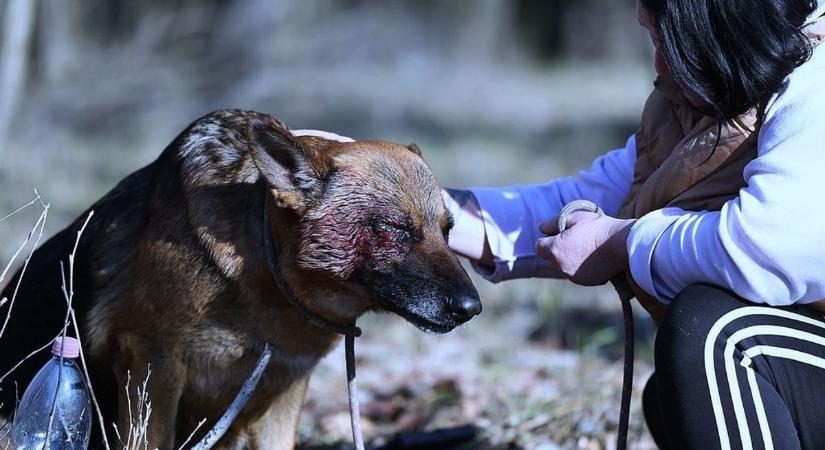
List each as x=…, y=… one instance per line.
x=68, y=347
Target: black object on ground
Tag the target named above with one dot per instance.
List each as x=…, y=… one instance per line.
x=437, y=439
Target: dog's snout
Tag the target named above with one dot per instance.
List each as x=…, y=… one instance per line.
x=464, y=306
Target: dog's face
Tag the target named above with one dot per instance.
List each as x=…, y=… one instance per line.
x=370, y=213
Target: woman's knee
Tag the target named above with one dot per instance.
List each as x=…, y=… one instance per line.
x=689, y=318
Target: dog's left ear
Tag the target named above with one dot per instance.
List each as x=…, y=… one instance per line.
x=295, y=173
x=414, y=148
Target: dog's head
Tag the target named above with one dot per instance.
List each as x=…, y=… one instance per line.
x=369, y=215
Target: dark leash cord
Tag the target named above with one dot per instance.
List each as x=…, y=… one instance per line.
x=626, y=296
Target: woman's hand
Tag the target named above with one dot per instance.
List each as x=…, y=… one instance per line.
x=468, y=237
x=322, y=134
x=590, y=252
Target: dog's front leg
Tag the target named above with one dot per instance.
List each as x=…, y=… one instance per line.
x=276, y=429
x=161, y=390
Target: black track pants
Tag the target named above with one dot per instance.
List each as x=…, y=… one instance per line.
x=733, y=375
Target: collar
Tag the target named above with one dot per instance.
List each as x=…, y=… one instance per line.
x=271, y=250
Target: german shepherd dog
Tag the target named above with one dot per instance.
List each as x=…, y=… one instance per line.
x=172, y=273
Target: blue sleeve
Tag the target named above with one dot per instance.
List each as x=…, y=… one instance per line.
x=512, y=214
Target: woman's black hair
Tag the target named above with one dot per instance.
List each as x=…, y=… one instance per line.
x=732, y=54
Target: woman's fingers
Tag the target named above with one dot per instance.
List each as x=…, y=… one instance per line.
x=544, y=248
x=551, y=227
x=322, y=134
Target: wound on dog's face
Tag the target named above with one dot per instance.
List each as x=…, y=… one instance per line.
x=381, y=222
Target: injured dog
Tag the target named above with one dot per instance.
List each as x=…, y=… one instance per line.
x=173, y=272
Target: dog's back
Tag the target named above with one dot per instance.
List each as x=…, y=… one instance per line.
x=149, y=201
x=39, y=308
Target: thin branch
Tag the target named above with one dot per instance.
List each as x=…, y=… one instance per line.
x=30, y=355
x=41, y=222
x=192, y=434
x=33, y=201
x=68, y=293
x=117, y=435
x=23, y=244
x=69, y=300
x=129, y=406
x=137, y=437
x=144, y=412
x=89, y=382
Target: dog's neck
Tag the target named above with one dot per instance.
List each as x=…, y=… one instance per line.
x=341, y=322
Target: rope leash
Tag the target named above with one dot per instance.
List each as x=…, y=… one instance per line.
x=352, y=392
x=626, y=296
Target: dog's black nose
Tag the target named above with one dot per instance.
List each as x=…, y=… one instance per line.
x=465, y=307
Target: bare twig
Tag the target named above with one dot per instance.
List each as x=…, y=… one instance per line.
x=18, y=210
x=68, y=293
x=137, y=437
x=144, y=410
x=192, y=434
x=19, y=363
x=21, y=247
x=69, y=299
x=28, y=237
x=129, y=406
x=85, y=368
x=38, y=227
x=117, y=435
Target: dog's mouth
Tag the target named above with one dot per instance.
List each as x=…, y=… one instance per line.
x=426, y=324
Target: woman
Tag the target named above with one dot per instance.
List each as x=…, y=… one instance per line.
x=711, y=212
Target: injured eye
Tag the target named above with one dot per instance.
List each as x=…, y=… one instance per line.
x=397, y=232
x=448, y=226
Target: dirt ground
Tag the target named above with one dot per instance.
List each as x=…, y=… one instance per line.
x=523, y=375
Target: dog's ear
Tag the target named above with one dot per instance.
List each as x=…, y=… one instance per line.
x=414, y=148
x=295, y=173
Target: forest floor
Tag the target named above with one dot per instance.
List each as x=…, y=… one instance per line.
x=521, y=376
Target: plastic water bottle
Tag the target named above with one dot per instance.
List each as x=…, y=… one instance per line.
x=72, y=420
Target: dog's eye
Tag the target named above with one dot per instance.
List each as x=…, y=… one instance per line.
x=401, y=233
x=448, y=226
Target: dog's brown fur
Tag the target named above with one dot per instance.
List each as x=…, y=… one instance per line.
x=172, y=272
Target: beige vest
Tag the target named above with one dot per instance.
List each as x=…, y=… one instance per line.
x=679, y=164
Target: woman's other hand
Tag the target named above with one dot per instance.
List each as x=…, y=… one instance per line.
x=590, y=252
x=468, y=237
x=322, y=134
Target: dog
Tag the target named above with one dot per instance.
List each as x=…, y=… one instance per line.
x=174, y=274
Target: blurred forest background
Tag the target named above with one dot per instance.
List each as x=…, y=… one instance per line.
x=494, y=92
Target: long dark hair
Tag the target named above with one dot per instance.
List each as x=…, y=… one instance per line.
x=732, y=54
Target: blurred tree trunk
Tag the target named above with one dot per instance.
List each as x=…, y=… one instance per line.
x=56, y=42
x=18, y=23
x=487, y=30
